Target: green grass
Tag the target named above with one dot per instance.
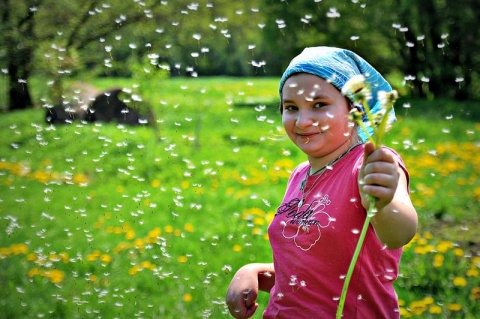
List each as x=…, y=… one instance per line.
x=121, y=222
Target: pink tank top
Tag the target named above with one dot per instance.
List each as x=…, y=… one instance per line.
x=313, y=245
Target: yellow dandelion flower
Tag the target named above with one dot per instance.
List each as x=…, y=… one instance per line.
x=185, y=184
x=121, y=247
x=4, y=251
x=237, y=248
x=120, y=189
x=428, y=300
x=459, y=281
x=155, y=183
x=139, y=243
x=476, y=261
x=30, y=257
x=435, y=309
x=473, y=272
x=19, y=249
x=40, y=176
x=476, y=293
x=155, y=232
x=423, y=250
x=444, y=246
x=438, y=260
x=188, y=227
x=169, y=229
x=182, y=259
x=177, y=232
x=269, y=217
x=33, y=272
x=147, y=265
x=92, y=278
x=418, y=307
x=56, y=276
x=134, y=270
x=130, y=234
x=187, y=297
x=454, y=307
x=53, y=257
x=259, y=221
x=94, y=255
x=428, y=235
x=404, y=313
x=80, y=179
x=105, y=258
x=458, y=252
x=257, y=231
x=147, y=202
x=64, y=256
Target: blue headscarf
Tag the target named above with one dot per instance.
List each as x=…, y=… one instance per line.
x=337, y=66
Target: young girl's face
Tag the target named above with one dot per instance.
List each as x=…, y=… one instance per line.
x=315, y=115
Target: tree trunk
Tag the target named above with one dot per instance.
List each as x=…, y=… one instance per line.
x=18, y=93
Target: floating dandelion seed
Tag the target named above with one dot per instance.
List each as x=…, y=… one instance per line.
x=333, y=13
x=281, y=23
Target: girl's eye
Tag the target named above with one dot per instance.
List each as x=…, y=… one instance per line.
x=319, y=104
x=289, y=108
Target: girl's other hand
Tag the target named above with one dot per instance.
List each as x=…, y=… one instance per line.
x=242, y=293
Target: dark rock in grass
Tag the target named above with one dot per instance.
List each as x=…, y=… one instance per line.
x=105, y=107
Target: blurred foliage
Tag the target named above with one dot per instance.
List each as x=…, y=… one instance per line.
x=431, y=46
x=98, y=217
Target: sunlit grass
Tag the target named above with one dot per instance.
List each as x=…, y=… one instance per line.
x=110, y=221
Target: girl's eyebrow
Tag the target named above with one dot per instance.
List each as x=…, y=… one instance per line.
x=317, y=96
x=288, y=101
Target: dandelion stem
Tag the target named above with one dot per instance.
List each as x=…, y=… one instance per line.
x=377, y=140
x=364, y=128
x=382, y=127
x=351, y=268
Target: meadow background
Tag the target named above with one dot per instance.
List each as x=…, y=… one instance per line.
x=108, y=221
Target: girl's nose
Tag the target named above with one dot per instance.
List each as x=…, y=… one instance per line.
x=304, y=119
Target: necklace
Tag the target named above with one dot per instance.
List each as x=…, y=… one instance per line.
x=320, y=173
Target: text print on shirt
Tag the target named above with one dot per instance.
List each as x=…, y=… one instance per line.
x=303, y=224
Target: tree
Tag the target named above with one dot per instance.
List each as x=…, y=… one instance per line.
x=64, y=25
x=439, y=45
x=434, y=43
x=17, y=38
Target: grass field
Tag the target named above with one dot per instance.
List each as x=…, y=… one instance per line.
x=108, y=221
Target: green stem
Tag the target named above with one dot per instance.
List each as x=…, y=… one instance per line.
x=364, y=128
x=351, y=268
x=383, y=126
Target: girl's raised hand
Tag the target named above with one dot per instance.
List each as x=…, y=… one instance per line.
x=378, y=176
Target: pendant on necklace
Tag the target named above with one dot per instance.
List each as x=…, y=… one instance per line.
x=300, y=203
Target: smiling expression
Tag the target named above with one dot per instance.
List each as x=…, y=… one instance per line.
x=315, y=116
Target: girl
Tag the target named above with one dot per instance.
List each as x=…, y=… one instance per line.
x=316, y=228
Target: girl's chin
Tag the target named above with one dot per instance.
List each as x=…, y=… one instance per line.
x=308, y=148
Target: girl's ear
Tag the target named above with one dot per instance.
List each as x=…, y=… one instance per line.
x=280, y=108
